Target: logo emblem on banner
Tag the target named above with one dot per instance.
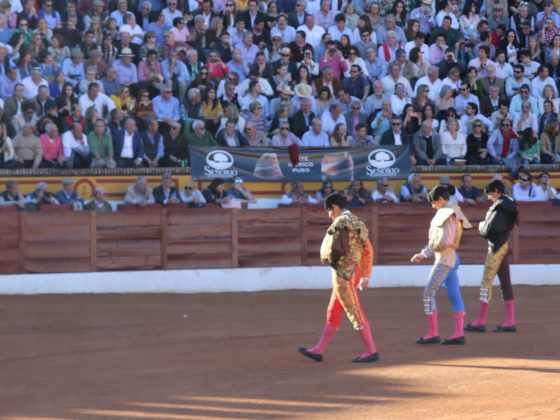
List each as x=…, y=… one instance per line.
x=219, y=164
x=381, y=158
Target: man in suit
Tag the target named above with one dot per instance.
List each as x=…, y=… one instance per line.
x=152, y=141
x=297, y=17
x=492, y=80
x=231, y=137
x=206, y=11
x=395, y=136
x=166, y=193
x=548, y=115
x=355, y=117
x=327, y=79
x=128, y=147
x=427, y=146
x=301, y=121
x=252, y=14
x=13, y=104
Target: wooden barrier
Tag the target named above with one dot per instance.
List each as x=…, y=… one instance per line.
x=177, y=237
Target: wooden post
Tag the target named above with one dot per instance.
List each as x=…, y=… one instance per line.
x=92, y=241
x=21, y=229
x=163, y=219
x=234, y=239
x=374, y=232
x=303, y=224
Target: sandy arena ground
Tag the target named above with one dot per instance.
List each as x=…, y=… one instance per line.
x=233, y=356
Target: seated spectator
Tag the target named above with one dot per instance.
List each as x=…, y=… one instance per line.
x=471, y=194
x=301, y=120
x=427, y=146
x=384, y=193
x=7, y=153
x=499, y=115
x=395, y=136
x=196, y=134
x=477, y=151
x=453, y=142
x=175, y=148
x=550, y=142
x=239, y=192
x=28, y=151
x=529, y=147
x=315, y=137
x=76, y=147
x=27, y=116
x=166, y=106
x=297, y=195
x=548, y=190
x=355, y=117
x=256, y=138
x=413, y=190
x=472, y=114
x=503, y=144
x=68, y=195
x=101, y=145
x=526, y=189
x=357, y=195
x=12, y=196
x=361, y=137
x=326, y=190
x=332, y=117
x=212, y=110
x=455, y=196
x=192, y=196
x=41, y=195
x=139, y=193
x=339, y=137
x=381, y=120
x=166, y=193
x=152, y=141
x=128, y=146
x=215, y=192
x=230, y=136
x=99, y=202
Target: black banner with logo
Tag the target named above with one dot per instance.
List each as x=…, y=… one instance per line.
x=315, y=164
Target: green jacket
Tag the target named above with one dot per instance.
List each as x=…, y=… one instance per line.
x=193, y=140
x=102, y=147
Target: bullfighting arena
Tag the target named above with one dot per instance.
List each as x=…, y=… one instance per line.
x=233, y=356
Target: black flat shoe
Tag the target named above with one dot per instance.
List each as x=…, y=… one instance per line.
x=475, y=328
x=433, y=340
x=512, y=328
x=374, y=357
x=454, y=341
x=314, y=356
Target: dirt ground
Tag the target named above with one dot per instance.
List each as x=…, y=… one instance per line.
x=233, y=356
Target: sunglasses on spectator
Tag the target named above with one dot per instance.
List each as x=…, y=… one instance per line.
x=351, y=53
x=385, y=185
x=477, y=125
x=284, y=128
x=506, y=125
x=396, y=123
x=524, y=179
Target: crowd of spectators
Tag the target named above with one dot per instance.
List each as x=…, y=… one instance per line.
x=130, y=83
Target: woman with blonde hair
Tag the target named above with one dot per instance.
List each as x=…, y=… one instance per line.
x=549, y=94
x=453, y=142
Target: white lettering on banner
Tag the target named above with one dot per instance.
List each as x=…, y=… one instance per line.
x=387, y=172
x=220, y=173
x=304, y=166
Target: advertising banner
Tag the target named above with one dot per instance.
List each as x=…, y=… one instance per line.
x=315, y=164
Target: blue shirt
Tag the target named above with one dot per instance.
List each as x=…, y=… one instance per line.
x=126, y=74
x=74, y=73
x=166, y=109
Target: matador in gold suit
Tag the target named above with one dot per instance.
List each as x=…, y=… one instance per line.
x=348, y=250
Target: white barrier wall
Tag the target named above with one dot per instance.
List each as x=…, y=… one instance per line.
x=245, y=279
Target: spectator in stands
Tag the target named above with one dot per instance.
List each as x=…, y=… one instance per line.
x=315, y=137
x=470, y=193
x=28, y=151
x=384, y=193
x=395, y=136
x=166, y=193
x=196, y=134
x=94, y=97
x=550, y=142
x=503, y=143
x=192, y=196
x=453, y=142
x=27, y=116
x=239, y=192
x=175, y=147
x=152, y=141
x=139, y=193
x=326, y=190
x=76, y=147
x=68, y=195
x=215, y=192
x=427, y=146
x=284, y=137
x=128, y=146
x=230, y=136
x=53, y=153
x=167, y=107
x=12, y=196
x=357, y=194
x=41, y=195
x=413, y=190
x=99, y=202
x=548, y=190
x=297, y=195
x=101, y=143
x=526, y=189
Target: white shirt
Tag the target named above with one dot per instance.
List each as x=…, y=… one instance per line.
x=398, y=140
x=441, y=14
x=533, y=193
x=435, y=87
x=397, y=104
x=69, y=142
x=310, y=139
x=537, y=86
x=377, y=196
x=312, y=36
x=504, y=71
x=99, y=102
x=411, y=44
x=389, y=85
x=454, y=148
x=127, y=150
x=329, y=123
x=137, y=30
x=30, y=88
x=336, y=34
x=169, y=16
